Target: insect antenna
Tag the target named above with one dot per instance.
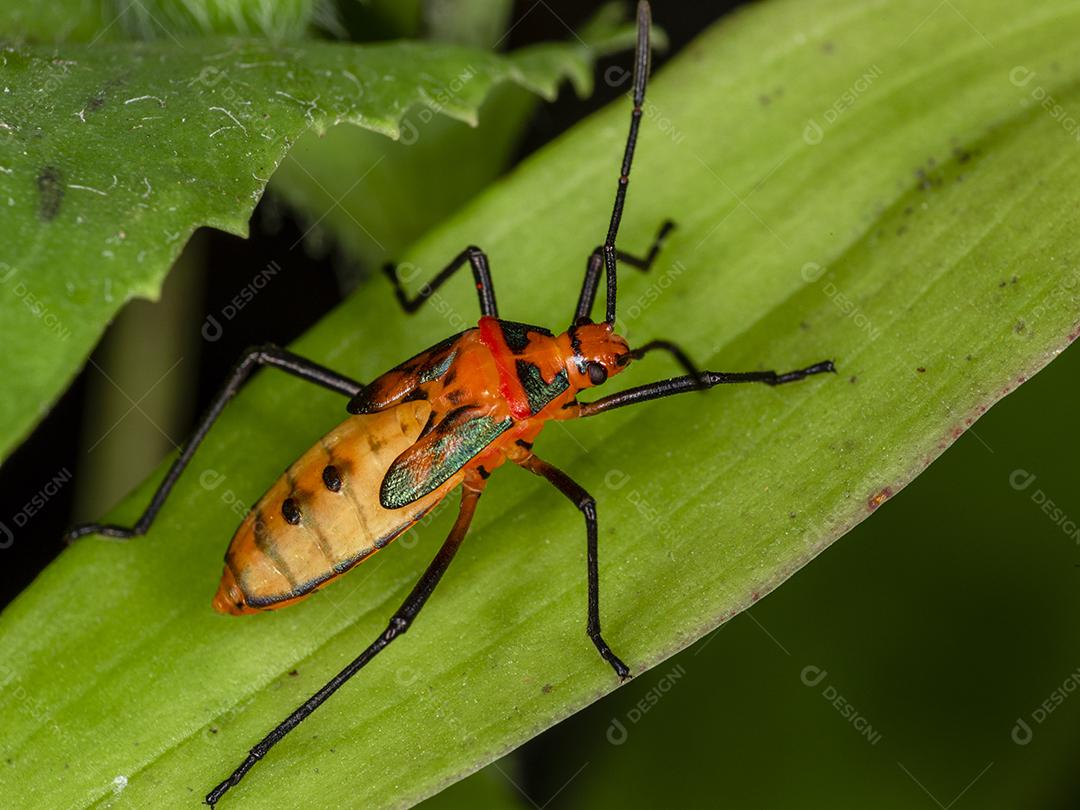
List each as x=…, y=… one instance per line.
x=641, y=76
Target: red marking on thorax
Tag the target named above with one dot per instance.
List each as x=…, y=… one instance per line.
x=509, y=384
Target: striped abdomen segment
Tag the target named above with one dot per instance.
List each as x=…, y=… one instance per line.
x=323, y=515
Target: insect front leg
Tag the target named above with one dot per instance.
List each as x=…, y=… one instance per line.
x=477, y=260
x=265, y=355
x=595, y=266
x=399, y=623
x=697, y=382
x=587, y=505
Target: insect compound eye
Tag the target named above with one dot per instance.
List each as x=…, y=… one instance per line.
x=597, y=373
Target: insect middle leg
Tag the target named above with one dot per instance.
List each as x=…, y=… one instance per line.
x=587, y=504
x=399, y=623
x=595, y=266
x=265, y=355
x=477, y=260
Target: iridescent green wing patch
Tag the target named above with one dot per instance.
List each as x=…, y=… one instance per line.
x=538, y=391
x=441, y=451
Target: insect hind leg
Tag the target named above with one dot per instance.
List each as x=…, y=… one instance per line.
x=265, y=355
x=399, y=623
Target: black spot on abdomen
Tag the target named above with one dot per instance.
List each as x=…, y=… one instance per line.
x=51, y=192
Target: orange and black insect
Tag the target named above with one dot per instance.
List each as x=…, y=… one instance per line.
x=444, y=419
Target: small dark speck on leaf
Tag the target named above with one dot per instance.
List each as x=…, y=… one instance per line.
x=546, y=688
x=1020, y=327
x=1001, y=284
x=827, y=47
x=792, y=515
x=1014, y=279
x=901, y=230
x=961, y=155
x=969, y=358
x=213, y=730
x=853, y=379
x=95, y=103
x=293, y=673
x=921, y=369
x=51, y=188
x=804, y=326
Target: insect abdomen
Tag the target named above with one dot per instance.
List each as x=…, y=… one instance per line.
x=323, y=515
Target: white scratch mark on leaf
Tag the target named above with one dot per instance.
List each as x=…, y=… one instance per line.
x=81, y=115
x=148, y=188
x=352, y=77
x=308, y=105
x=6, y=170
x=232, y=118
x=158, y=99
x=88, y=188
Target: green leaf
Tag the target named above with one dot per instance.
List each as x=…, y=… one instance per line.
x=112, y=155
x=921, y=235
x=102, y=20
x=59, y=21
x=175, y=19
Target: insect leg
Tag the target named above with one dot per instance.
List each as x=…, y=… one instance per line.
x=681, y=357
x=596, y=264
x=265, y=355
x=587, y=504
x=477, y=260
x=706, y=379
x=399, y=623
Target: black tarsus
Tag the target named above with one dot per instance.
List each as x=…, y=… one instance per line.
x=593, y=268
x=477, y=260
x=398, y=624
x=265, y=355
x=699, y=382
x=587, y=504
